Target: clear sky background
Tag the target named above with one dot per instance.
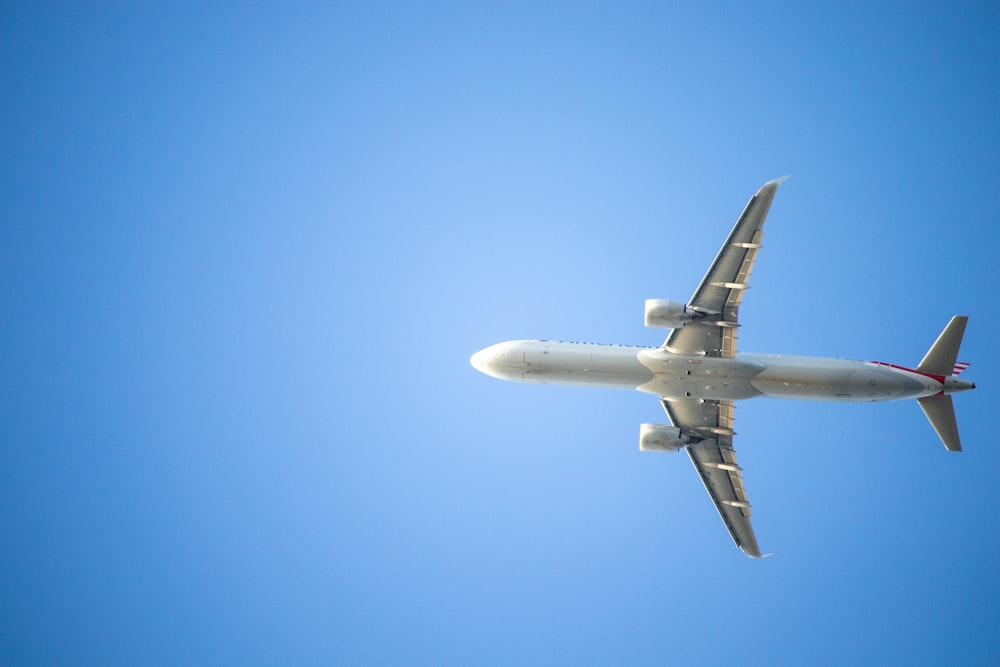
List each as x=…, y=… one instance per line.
x=247, y=249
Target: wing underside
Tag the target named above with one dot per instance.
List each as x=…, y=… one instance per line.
x=710, y=426
x=720, y=292
x=709, y=423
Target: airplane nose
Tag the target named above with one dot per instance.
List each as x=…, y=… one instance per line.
x=489, y=360
x=478, y=361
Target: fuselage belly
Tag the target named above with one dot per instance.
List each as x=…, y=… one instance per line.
x=665, y=374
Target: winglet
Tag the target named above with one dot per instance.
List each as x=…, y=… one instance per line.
x=758, y=555
x=771, y=186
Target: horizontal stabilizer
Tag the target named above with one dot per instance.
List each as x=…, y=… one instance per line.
x=940, y=413
x=940, y=359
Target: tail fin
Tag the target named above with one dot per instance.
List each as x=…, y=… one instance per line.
x=940, y=413
x=940, y=359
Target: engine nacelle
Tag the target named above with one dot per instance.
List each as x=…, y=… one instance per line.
x=660, y=438
x=667, y=314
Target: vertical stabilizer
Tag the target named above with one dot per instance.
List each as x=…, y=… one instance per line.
x=940, y=413
x=940, y=359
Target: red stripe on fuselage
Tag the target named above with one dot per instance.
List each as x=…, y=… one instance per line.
x=937, y=378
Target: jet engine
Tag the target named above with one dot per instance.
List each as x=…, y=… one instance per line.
x=667, y=314
x=661, y=438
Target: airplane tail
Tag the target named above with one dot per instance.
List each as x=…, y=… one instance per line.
x=940, y=360
x=940, y=413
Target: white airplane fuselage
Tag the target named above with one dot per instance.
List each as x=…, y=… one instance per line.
x=665, y=374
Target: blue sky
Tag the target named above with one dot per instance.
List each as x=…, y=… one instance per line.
x=247, y=251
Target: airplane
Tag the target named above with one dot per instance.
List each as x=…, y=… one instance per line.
x=698, y=375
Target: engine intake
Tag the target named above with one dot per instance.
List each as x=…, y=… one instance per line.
x=661, y=438
x=667, y=314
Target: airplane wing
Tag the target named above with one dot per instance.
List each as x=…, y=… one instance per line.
x=710, y=424
x=721, y=290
